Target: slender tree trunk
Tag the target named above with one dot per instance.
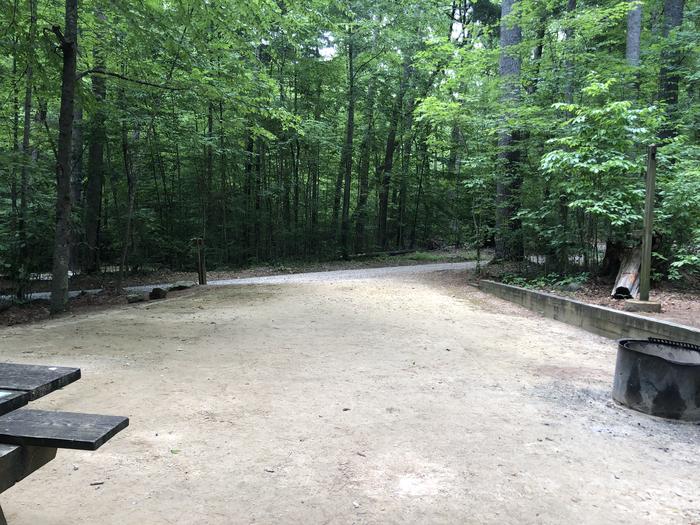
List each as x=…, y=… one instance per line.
x=508, y=243
x=315, y=171
x=249, y=188
x=27, y=161
x=76, y=182
x=346, y=156
x=423, y=172
x=387, y=167
x=569, y=66
x=69, y=47
x=225, y=188
x=131, y=192
x=95, y=175
x=405, y=171
x=77, y=160
x=363, y=171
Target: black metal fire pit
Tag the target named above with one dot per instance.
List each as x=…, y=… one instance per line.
x=659, y=377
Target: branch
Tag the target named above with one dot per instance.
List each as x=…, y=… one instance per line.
x=99, y=71
x=368, y=61
x=56, y=30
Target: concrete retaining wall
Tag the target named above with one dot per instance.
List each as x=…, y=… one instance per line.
x=597, y=319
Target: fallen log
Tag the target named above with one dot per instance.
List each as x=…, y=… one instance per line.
x=627, y=282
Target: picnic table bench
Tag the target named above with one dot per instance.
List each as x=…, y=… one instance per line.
x=29, y=438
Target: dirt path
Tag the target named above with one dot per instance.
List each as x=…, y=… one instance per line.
x=307, y=277
x=402, y=399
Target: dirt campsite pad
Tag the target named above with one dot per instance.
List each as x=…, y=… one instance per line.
x=393, y=399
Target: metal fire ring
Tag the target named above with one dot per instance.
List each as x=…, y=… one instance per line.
x=659, y=377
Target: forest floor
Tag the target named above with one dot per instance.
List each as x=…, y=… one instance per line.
x=402, y=398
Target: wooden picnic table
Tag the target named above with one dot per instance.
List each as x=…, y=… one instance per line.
x=29, y=439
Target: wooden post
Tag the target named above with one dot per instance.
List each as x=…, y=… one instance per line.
x=201, y=262
x=645, y=277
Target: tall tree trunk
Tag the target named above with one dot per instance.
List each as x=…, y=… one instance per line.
x=422, y=173
x=386, y=168
x=569, y=66
x=346, y=155
x=131, y=195
x=405, y=171
x=69, y=47
x=315, y=171
x=95, y=175
x=634, y=34
x=363, y=171
x=508, y=243
x=670, y=64
x=27, y=161
x=76, y=184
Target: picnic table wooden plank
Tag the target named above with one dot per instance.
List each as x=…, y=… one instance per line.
x=36, y=380
x=12, y=400
x=59, y=429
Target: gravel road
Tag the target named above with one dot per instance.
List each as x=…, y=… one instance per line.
x=310, y=277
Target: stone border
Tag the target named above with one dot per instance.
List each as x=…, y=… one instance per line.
x=597, y=319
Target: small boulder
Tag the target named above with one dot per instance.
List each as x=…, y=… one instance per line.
x=157, y=293
x=182, y=285
x=135, y=298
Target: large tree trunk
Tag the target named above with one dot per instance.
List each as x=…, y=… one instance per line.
x=69, y=47
x=670, y=61
x=634, y=34
x=95, y=175
x=508, y=243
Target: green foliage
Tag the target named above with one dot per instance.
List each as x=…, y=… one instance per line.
x=231, y=117
x=548, y=281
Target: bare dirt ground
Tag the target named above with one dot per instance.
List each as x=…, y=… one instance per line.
x=396, y=399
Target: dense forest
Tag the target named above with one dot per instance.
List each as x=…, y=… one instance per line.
x=308, y=129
